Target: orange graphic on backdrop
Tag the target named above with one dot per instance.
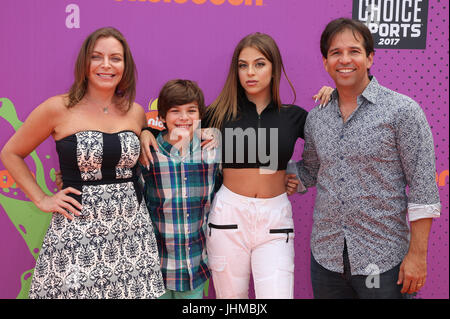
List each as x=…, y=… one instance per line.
x=153, y=120
x=442, y=178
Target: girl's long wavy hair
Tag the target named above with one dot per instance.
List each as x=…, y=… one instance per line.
x=225, y=107
x=126, y=89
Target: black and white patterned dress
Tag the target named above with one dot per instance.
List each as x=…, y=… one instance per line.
x=110, y=251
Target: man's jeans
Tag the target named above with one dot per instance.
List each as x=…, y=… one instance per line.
x=332, y=285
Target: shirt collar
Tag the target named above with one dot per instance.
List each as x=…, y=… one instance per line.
x=246, y=103
x=169, y=150
x=370, y=93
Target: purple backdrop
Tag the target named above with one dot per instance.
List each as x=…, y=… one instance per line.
x=172, y=40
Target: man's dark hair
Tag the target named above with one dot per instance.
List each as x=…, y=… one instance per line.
x=341, y=24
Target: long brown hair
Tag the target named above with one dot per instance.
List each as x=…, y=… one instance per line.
x=225, y=107
x=125, y=91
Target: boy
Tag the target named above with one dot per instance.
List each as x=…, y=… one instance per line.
x=178, y=190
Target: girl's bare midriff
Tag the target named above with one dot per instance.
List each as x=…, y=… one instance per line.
x=254, y=182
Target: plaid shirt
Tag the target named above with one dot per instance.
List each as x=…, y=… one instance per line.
x=178, y=192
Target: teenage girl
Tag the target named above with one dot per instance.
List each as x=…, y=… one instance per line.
x=250, y=226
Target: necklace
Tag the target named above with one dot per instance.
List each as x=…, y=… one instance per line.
x=105, y=109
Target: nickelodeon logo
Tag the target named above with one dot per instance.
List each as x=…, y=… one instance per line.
x=153, y=120
x=215, y=2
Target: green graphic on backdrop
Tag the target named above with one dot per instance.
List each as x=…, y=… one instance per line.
x=29, y=221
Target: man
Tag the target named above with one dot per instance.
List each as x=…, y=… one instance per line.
x=361, y=152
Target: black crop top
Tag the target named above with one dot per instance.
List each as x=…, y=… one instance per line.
x=265, y=140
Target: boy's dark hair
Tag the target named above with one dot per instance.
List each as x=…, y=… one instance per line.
x=180, y=92
x=341, y=24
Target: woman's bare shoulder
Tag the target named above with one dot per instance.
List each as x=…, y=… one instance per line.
x=137, y=112
x=137, y=109
x=55, y=105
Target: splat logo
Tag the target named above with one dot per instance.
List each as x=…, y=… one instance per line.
x=395, y=24
x=199, y=2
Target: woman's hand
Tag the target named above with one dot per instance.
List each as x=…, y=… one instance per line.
x=209, y=138
x=324, y=96
x=61, y=203
x=146, y=139
x=291, y=182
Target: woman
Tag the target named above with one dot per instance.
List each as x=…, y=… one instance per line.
x=100, y=242
x=251, y=228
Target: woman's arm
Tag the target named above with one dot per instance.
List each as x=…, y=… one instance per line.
x=37, y=128
x=146, y=137
x=324, y=96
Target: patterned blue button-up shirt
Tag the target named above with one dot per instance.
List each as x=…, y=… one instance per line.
x=178, y=192
x=361, y=169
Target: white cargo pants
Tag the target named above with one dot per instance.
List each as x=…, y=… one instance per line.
x=251, y=235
